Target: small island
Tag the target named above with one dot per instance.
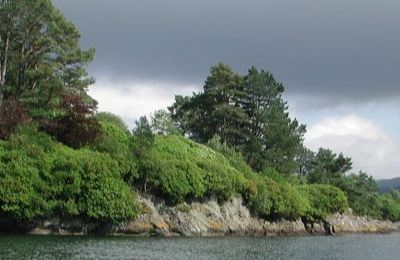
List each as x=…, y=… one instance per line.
x=228, y=160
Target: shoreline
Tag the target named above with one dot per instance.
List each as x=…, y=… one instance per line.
x=209, y=219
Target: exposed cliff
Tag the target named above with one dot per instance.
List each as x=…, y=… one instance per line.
x=211, y=219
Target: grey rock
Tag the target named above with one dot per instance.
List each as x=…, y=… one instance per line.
x=212, y=219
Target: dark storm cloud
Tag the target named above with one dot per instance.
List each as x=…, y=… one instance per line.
x=335, y=49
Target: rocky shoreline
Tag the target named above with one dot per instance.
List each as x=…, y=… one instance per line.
x=211, y=219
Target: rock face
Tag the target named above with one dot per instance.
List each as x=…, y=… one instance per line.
x=348, y=223
x=233, y=218
x=211, y=219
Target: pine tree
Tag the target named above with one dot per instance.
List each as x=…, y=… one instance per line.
x=41, y=64
x=216, y=111
x=274, y=138
x=247, y=113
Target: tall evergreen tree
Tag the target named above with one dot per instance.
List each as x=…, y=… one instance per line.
x=274, y=138
x=42, y=59
x=328, y=167
x=245, y=112
x=222, y=107
x=216, y=111
x=41, y=62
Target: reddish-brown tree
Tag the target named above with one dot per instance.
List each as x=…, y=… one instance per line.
x=12, y=114
x=75, y=127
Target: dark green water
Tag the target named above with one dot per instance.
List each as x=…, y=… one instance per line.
x=340, y=247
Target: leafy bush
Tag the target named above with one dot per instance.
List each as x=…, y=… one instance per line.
x=390, y=208
x=273, y=200
x=361, y=191
x=112, y=119
x=181, y=169
x=377, y=206
x=162, y=123
x=115, y=140
x=20, y=186
x=90, y=184
x=324, y=199
x=233, y=155
x=41, y=178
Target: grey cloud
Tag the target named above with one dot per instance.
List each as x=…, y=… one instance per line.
x=333, y=49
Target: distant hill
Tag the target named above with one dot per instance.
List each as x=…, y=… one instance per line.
x=387, y=185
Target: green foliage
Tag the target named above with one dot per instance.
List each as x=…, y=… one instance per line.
x=44, y=56
x=42, y=67
x=369, y=204
x=390, y=207
x=41, y=178
x=215, y=111
x=246, y=112
x=275, y=200
x=324, y=199
x=162, y=124
x=274, y=138
x=243, y=119
x=143, y=138
x=20, y=186
x=180, y=169
x=327, y=167
x=112, y=119
x=142, y=143
x=43, y=77
x=94, y=186
x=377, y=206
x=23, y=163
x=271, y=196
x=233, y=155
x=116, y=141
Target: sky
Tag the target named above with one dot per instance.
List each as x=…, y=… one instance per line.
x=339, y=61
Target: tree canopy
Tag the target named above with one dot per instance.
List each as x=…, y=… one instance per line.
x=247, y=112
x=42, y=66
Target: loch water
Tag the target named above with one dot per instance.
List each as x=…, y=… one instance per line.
x=353, y=247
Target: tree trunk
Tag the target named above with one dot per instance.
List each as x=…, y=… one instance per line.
x=3, y=66
x=21, y=73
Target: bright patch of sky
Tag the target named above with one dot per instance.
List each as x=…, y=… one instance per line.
x=372, y=148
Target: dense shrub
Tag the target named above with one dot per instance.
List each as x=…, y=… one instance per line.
x=367, y=205
x=115, y=140
x=233, y=155
x=390, y=208
x=181, y=169
x=24, y=166
x=362, y=193
x=324, y=199
x=112, y=119
x=377, y=206
x=20, y=186
x=90, y=183
x=270, y=199
x=41, y=178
